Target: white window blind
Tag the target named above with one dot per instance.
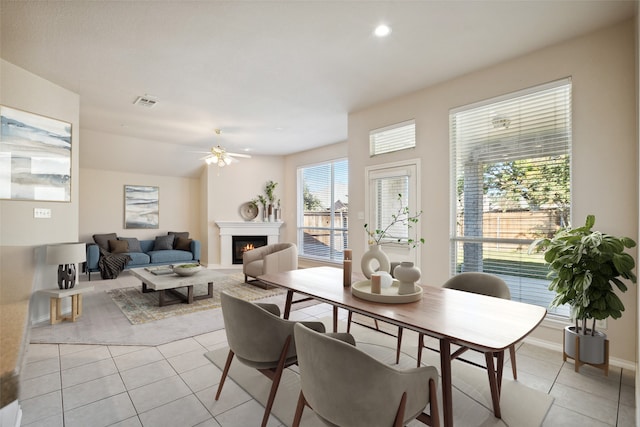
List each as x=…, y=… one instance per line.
x=387, y=188
x=511, y=179
x=323, y=210
x=392, y=138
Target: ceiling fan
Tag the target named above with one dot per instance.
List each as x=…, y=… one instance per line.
x=219, y=156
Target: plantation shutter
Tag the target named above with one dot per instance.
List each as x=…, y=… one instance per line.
x=511, y=184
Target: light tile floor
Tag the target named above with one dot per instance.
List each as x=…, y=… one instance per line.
x=173, y=385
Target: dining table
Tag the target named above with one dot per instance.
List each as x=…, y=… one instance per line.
x=486, y=324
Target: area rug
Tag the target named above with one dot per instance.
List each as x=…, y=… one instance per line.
x=521, y=406
x=141, y=307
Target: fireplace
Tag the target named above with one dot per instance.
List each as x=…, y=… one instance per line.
x=242, y=244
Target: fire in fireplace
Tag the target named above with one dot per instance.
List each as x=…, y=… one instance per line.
x=242, y=244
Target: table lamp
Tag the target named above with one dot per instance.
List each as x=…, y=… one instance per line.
x=66, y=256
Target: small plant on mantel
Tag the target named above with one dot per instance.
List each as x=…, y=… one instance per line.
x=401, y=216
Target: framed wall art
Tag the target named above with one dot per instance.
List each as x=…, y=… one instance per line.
x=35, y=157
x=141, y=206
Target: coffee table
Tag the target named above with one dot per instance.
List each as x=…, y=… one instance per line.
x=168, y=283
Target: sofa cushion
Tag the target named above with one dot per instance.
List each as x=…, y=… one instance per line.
x=169, y=256
x=177, y=234
x=118, y=246
x=182, y=244
x=102, y=240
x=163, y=243
x=138, y=258
x=134, y=244
x=254, y=268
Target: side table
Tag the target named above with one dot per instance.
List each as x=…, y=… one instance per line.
x=56, y=296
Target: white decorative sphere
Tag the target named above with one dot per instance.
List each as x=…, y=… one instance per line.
x=386, y=280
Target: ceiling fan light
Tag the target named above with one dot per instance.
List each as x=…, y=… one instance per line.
x=221, y=163
x=227, y=160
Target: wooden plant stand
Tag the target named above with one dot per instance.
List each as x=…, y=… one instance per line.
x=604, y=366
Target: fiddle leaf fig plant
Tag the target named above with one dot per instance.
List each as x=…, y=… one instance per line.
x=585, y=266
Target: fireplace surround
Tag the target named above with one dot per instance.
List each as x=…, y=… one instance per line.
x=228, y=229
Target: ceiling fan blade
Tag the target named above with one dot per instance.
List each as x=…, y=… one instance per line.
x=246, y=156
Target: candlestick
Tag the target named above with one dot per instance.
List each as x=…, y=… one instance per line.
x=346, y=269
x=375, y=283
x=348, y=254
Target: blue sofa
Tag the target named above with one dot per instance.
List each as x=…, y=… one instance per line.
x=148, y=257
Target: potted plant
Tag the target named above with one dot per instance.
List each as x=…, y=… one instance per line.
x=378, y=237
x=585, y=266
x=269, y=189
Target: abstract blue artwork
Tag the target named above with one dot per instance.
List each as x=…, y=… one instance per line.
x=141, y=206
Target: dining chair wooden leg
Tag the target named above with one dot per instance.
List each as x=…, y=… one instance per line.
x=224, y=373
x=302, y=402
x=512, y=357
x=275, y=376
x=399, y=345
x=399, y=421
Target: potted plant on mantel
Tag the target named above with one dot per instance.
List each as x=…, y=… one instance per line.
x=585, y=266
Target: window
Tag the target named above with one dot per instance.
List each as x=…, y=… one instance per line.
x=323, y=209
x=392, y=138
x=511, y=181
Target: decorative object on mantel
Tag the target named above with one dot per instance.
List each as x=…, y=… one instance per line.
x=378, y=237
x=584, y=264
x=407, y=275
x=270, y=211
x=66, y=256
x=249, y=210
x=347, y=268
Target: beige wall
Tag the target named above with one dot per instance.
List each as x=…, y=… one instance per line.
x=102, y=204
x=229, y=187
x=605, y=155
x=22, y=237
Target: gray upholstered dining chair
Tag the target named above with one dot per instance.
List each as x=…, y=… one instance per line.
x=260, y=339
x=483, y=284
x=344, y=386
x=272, y=258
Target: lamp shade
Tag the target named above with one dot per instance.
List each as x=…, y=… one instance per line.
x=66, y=253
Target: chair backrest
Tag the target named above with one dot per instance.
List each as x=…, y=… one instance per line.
x=347, y=387
x=254, y=334
x=479, y=283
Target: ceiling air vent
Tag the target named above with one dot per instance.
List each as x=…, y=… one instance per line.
x=146, y=101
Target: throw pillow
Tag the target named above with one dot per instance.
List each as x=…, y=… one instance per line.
x=182, y=244
x=176, y=234
x=134, y=243
x=118, y=246
x=102, y=240
x=163, y=243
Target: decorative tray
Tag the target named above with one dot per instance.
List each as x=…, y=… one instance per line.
x=362, y=289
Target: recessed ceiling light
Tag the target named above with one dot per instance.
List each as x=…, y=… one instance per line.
x=382, y=30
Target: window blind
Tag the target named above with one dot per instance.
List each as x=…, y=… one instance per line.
x=323, y=210
x=511, y=181
x=392, y=138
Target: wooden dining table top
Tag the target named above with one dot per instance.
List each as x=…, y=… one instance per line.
x=477, y=321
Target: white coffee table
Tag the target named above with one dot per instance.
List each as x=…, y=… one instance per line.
x=170, y=282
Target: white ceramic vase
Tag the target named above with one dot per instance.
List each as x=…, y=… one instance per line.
x=376, y=254
x=407, y=275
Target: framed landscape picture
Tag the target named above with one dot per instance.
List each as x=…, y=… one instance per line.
x=35, y=157
x=141, y=206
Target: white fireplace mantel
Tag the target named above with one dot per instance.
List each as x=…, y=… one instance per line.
x=228, y=229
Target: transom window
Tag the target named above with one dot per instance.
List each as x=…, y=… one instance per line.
x=323, y=208
x=396, y=137
x=511, y=183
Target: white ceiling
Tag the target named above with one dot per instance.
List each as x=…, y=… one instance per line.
x=276, y=76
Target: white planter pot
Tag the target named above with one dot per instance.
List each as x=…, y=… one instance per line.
x=592, y=348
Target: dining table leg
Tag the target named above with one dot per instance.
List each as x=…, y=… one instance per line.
x=445, y=373
x=493, y=383
x=335, y=319
x=287, y=304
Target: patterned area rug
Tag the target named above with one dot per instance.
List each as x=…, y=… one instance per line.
x=141, y=307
